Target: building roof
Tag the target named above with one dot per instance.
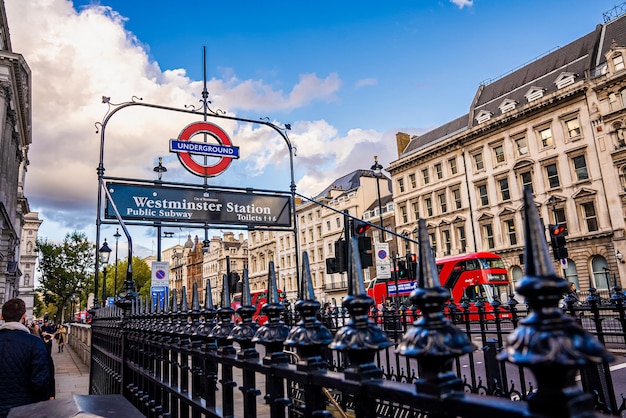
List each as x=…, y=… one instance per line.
x=582, y=58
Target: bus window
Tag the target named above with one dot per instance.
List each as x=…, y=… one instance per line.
x=471, y=265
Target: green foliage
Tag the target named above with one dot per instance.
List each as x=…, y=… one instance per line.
x=141, y=275
x=66, y=270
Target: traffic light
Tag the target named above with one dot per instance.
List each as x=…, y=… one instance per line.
x=412, y=259
x=364, y=243
x=403, y=271
x=337, y=264
x=557, y=241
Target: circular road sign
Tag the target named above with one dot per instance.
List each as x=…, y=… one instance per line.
x=160, y=274
x=382, y=254
x=192, y=165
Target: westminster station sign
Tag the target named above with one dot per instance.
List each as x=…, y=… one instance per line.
x=175, y=204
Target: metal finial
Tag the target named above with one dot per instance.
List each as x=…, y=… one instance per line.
x=309, y=293
x=246, y=298
x=427, y=272
x=272, y=290
x=208, y=296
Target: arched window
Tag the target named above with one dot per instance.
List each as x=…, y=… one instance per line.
x=600, y=273
x=516, y=274
x=571, y=273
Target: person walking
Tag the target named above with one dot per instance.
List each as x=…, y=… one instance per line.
x=24, y=365
x=60, y=335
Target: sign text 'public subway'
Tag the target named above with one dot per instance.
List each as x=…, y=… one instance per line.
x=198, y=205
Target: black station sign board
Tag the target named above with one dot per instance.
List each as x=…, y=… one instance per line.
x=171, y=204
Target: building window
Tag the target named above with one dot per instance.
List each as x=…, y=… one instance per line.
x=478, y=162
x=442, y=202
x=429, y=206
x=505, y=193
x=573, y=128
x=438, y=171
x=553, y=175
x=452, y=165
x=403, y=214
x=401, y=185
x=488, y=235
x=412, y=181
x=522, y=146
x=338, y=222
x=482, y=193
x=498, y=153
x=526, y=180
x=589, y=215
x=425, y=176
x=433, y=243
x=328, y=225
x=618, y=62
x=613, y=102
x=447, y=242
x=456, y=194
x=416, y=210
x=580, y=167
x=559, y=216
x=460, y=235
x=509, y=230
x=546, y=137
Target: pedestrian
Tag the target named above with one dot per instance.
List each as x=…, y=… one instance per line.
x=60, y=335
x=24, y=365
x=47, y=328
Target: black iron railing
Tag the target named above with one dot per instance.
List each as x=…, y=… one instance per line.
x=428, y=359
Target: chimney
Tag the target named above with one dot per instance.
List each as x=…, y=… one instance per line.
x=402, y=140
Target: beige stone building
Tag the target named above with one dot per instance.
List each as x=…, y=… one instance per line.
x=555, y=125
x=15, y=140
x=222, y=249
x=28, y=260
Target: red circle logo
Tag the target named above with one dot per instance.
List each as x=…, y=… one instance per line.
x=199, y=169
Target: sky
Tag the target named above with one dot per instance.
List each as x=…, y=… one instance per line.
x=345, y=75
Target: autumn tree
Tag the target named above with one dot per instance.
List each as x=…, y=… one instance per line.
x=141, y=277
x=66, y=270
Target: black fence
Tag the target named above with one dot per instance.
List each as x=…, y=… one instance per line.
x=428, y=359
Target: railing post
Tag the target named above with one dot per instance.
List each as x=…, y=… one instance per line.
x=272, y=336
x=309, y=337
x=547, y=341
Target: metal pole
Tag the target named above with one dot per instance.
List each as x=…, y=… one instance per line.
x=380, y=206
x=117, y=236
x=104, y=286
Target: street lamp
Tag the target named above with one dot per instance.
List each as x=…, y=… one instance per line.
x=117, y=236
x=377, y=169
x=159, y=170
x=104, y=254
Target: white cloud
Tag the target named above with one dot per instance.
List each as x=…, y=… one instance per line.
x=78, y=57
x=462, y=3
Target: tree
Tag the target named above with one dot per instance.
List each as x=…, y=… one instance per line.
x=66, y=269
x=142, y=276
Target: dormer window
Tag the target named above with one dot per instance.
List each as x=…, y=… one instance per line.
x=565, y=79
x=535, y=93
x=483, y=116
x=618, y=62
x=507, y=105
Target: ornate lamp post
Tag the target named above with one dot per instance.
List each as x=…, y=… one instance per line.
x=104, y=254
x=117, y=236
x=159, y=170
x=377, y=169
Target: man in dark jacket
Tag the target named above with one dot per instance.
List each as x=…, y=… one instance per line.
x=24, y=364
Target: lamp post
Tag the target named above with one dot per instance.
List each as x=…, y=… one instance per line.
x=377, y=169
x=117, y=236
x=104, y=254
x=159, y=170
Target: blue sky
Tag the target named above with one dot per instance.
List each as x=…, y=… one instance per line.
x=346, y=75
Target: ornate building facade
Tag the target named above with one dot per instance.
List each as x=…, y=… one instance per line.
x=555, y=125
x=15, y=140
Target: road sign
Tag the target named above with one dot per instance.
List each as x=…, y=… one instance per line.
x=224, y=151
x=160, y=274
x=383, y=262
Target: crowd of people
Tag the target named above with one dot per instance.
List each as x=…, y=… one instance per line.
x=26, y=363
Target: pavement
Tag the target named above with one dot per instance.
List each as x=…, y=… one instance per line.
x=71, y=375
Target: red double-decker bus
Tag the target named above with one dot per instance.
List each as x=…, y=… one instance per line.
x=258, y=299
x=473, y=276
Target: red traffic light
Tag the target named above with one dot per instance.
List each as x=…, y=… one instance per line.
x=412, y=258
x=361, y=227
x=558, y=230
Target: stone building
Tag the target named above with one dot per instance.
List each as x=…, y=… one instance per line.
x=555, y=125
x=223, y=251
x=15, y=140
x=28, y=260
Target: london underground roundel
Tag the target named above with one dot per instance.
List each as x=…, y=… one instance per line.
x=223, y=152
